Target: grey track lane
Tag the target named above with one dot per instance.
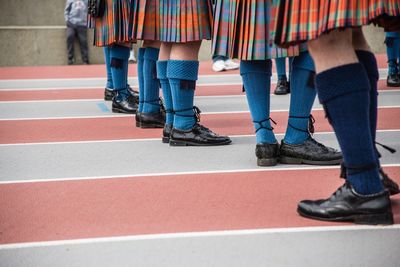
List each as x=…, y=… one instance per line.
x=94, y=108
x=124, y=158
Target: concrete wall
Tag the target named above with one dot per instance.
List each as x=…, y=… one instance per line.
x=33, y=32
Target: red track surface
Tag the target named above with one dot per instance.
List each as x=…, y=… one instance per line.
x=149, y=205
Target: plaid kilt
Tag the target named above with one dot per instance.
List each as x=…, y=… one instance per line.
x=113, y=27
x=174, y=21
x=242, y=30
x=304, y=20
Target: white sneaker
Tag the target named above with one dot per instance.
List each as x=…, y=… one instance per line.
x=231, y=65
x=132, y=56
x=218, y=65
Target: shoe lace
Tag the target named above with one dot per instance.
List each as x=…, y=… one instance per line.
x=261, y=126
x=196, y=112
x=310, y=128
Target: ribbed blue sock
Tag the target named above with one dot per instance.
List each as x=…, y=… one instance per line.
x=140, y=59
x=280, y=64
x=256, y=76
x=182, y=76
x=151, y=87
x=107, y=60
x=290, y=67
x=166, y=89
x=302, y=99
x=344, y=93
x=119, y=68
x=392, y=42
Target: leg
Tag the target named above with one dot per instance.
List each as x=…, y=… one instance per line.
x=82, y=36
x=108, y=92
x=392, y=42
x=70, y=44
x=282, y=86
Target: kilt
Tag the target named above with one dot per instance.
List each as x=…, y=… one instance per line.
x=242, y=30
x=304, y=20
x=174, y=21
x=113, y=27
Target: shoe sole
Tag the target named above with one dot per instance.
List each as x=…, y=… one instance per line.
x=186, y=143
x=108, y=98
x=366, y=219
x=150, y=125
x=117, y=110
x=281, y=93
x=290, y=160
x=267, y=162
x=392, y=85
x=165, y=140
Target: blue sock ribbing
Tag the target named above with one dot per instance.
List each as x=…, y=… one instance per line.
x=151, y=87
x=280, y=64
x=140, y=60
x=302, y=98
x=344, y=92
x=166, y=88
x=107, y=60
x=256, y=76
x=119, y=69
x=182, y=75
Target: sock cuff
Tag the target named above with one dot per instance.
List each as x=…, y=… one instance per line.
x=119, y=51
x=340, y=81
x=183, y=69
x=141, y=52
x=256, y=66
x=162, y=69
x=304, y=61
x=151, y=53
x=369, y=62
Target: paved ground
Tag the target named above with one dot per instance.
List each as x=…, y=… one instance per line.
x=81, y=186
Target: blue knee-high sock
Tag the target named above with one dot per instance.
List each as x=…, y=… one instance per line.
x=182, y=76
x=166, y=89
x=290, y=67
x=344, y=93
x=107, y=60
x=280, y=64
x=302, y=99
x=119, y=69
x=256, y=76
x=140, y=60
x=392, y=42
x=151, y=87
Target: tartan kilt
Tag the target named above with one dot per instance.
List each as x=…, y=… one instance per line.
x=304, y=20
x=173, y=21
x=242, y=30
x=113, y=27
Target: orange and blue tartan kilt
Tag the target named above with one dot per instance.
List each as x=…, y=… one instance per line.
x=242, y=30
x=174, y=21
x=304, y=20
x=113, y=27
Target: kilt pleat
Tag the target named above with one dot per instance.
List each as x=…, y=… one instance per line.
x=113, y=27
x=242, y=29
x=175, y=21
x=303, y=20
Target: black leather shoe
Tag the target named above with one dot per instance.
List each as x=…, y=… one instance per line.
x=152, y=120
x=166, y=133
x=137, y=119
x=110, y=93
x=282, y=87
x=198, y=135
x=124, y=105
x=346, y=205
x=267, y=154
x=393, y=80
x=388, y=183
x=309, y=152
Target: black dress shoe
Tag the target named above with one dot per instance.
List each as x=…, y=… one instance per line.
x=267, y=154
x=309, y=152
x=388, y=183
x=151, y=120
x=110, y=93
x=198, y=135
x=166, y=133
x=393, y=80
x=137, y=119
x=282, y=87
x=347, y=205
x=124, y=105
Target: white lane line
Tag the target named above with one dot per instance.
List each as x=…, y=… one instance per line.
x=127, y=176
x=152, y=139
x=113, y=239
x=114, y=115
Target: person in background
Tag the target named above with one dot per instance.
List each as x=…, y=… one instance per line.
x=75, y=15
x=283, y=84
x=221, y=63
x=392, y=42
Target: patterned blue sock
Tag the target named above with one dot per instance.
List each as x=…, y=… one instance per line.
x=107, y=60
x=344, y=92
x=302, y=98
x=182, y=76
x=166, y=88
x=140, y=60
x=392, y=42
x=256, y=76
x=280, y=64
x=151, y=87
x=119, y=69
